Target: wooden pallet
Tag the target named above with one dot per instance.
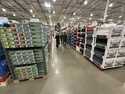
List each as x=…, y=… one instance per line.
x=30, y=79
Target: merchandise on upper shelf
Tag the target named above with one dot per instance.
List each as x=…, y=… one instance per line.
x=24, y=35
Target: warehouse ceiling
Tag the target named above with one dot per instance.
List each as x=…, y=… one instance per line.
x=53, y=11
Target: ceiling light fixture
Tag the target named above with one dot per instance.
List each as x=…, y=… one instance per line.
x=74, y=13
x=73, y=19
x=53, y=12
x=64, y=17
x=31, y=11
x=3, y=9
x=90, y=18
x=47, y=4
x=111, y=5
x=54, y=0
x=49, y=16
x=120, y=16
x=91, y=14
x=85, y=2
x=33, y=15
x=14, y=14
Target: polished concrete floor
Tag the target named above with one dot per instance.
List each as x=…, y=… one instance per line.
x=71, y=73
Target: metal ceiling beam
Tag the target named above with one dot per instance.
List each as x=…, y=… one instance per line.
x=4, y=5
x=33, y=7
x=82, y=7
x=113, y=10
x=13, y=9
x=38, y=1
x=26, y=11
x=64, y=9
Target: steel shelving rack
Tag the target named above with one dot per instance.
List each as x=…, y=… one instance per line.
x=89, y=41
x=80, y=44
x=105, y=45
x=28, y=52
x=109, y=45
x=76, y=39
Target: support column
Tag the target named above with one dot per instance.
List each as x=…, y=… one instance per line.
x=106, y=11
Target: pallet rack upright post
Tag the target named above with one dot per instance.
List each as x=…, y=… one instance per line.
x=89, y=42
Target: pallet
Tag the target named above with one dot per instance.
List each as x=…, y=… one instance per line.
x=103, y=69
x=94, y=63
x=6, y=82
x=30, y=79
x=114, y=67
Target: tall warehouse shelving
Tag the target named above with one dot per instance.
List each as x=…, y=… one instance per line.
x=80, y=44
x=27, y=48
x=109, y=46
x=76, y=39
x=104, y=45
x=82, y=40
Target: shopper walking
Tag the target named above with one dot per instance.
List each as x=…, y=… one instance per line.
x=61, y=37
x=57, y=39
x=64, y=38
x=57, y=29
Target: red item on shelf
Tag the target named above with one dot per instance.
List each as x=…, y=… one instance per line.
x=3, y=78
x=89, y=29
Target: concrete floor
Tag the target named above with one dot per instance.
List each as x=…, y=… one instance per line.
x=71, y=73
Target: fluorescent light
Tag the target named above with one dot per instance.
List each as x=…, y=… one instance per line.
x=85, y=2
x=53, y=12
x=90, y=18
x=31, y=11
x=120, y=16
x=33, y=15
x=3, y=9
x=57, y=72
x=49, y=16
x=111, y=5
x=14, y=14
x=47, y=4
x=54, y=0
x=64, y=17
x=73, y=19
x=74, y=13
x=91, y=14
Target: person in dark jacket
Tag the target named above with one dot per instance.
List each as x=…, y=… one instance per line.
x=57, y=39
x=64, y=38
x=57, y=29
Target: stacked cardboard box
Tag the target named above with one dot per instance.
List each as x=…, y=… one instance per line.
x=22, y=57
x=26, y=72
x=29, y=53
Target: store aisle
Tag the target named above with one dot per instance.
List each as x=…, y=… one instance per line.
x=69, y=73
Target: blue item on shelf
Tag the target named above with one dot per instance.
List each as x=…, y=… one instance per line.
x=3, y=67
